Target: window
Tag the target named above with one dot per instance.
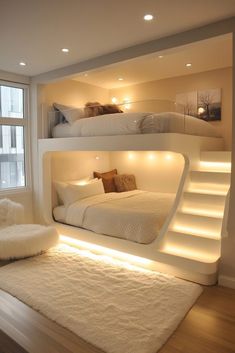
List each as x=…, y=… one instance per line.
x=13, y=125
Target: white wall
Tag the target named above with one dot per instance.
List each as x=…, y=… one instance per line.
x=154, y=171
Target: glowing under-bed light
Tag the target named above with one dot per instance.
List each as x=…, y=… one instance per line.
x=105, y=251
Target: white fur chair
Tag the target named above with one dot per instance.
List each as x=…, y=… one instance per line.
x=10, y=213
x=18, y=240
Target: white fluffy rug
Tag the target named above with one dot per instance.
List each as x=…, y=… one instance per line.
x=116, y=308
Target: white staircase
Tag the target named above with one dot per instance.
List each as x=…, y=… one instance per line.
x=194, y=235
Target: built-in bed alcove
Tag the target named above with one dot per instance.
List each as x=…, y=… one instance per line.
x=159, y=164
x=161, y=84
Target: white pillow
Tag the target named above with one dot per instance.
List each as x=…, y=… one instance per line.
x=83, y=181
x=71, y=114
x=78, y=192
x=60, y=188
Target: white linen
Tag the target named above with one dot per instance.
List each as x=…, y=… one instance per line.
x=135, y=123
x=118, y=309
x=133, y=215
x=102, y=125
x=59, y=213
x=71, y=114
x=78, y=192
x=177, y=123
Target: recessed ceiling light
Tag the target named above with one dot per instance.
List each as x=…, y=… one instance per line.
x=120, y=79
x=65, y=50
x=160, y=56
x=188, y=65
x=148, y=17
x=22, y=63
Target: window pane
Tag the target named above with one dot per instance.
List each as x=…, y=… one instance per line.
x=12, y=166
x=11, y=102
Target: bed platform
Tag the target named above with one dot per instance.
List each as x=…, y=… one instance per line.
x=190, y=253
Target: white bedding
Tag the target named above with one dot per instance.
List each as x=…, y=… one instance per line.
x=133, y=215
x=135, y=123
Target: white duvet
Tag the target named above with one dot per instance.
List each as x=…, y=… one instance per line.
x=134, y=215
x=135, y=123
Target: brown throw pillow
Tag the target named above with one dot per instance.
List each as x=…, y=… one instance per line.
x=107, y=179
x=125, y=182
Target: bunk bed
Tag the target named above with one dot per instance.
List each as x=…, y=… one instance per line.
x=131, y=131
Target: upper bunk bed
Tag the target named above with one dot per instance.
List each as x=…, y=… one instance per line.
x=142, y=125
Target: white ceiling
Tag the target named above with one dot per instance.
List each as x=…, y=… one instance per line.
x=34, y=31
x=211, y=54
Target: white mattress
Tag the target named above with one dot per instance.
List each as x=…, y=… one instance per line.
x=134, y=215
x=135, y=123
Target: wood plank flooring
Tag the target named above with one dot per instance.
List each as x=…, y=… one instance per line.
x=208, y=328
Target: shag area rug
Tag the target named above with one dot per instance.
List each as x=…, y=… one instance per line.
x=114, y=307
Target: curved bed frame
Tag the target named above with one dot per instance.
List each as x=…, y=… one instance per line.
x=149, y=255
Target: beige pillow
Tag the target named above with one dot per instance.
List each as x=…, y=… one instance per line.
x=125, y=182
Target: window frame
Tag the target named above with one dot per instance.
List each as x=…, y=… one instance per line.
x=23, y=122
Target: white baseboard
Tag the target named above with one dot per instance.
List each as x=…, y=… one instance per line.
x=226, y=281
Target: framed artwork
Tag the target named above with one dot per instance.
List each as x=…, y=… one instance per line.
x=203, y=104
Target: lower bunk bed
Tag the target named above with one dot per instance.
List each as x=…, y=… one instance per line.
x=150, y=253
x=133, y=215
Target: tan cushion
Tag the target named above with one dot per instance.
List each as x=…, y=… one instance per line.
x=125, y=182
x=107, y=179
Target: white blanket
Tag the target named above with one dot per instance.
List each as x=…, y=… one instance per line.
x=135, y=123
x=134, y=215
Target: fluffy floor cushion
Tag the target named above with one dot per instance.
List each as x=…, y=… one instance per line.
x=119, y=308
x=24, y=240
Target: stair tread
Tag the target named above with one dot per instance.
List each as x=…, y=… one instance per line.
x=206, y=256
x=203, y=191
x=197, y=215
x=202, y=212
x=195, y=233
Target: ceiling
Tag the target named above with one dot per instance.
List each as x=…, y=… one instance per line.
x=211, y=54
x=36, y=31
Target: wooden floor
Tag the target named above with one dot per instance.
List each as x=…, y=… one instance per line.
x=208, y=328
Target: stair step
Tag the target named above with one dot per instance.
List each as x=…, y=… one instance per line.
x=195, y=259
x=213, y=202
x=208, y=188
x=216, y=156
x=210, y=177
x=197, y=225
x=201, y=211
x=191, y=243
